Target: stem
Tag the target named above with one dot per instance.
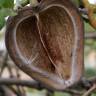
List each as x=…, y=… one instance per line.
x=33, y=3
x=90, y=90
x=17, y=4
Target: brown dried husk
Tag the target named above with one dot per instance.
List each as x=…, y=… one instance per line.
x=46, y=42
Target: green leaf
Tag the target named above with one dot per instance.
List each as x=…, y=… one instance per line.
x=78, y=3
x=2, y=20
x=6, y=3
x=3, y=13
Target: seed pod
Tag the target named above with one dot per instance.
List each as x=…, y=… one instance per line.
x=46, y=42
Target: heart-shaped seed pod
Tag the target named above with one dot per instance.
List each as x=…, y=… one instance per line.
x=46, y=42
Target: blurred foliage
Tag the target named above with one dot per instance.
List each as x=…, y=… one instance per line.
x=6, y=9
x=78, y=3
x=88, y=27
x=3, y=13
x=6, y=3
x=94, y=94
x=89, y=43
x=90, y=72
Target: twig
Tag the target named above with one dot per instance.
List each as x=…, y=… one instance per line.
x=90, y=90
x=13, y=90
x=4, y=63
x=14, y=81
x=73, y=91
x=31, y=84
x=90, y=35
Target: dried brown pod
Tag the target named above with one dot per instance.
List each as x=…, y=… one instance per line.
x=46, y=42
